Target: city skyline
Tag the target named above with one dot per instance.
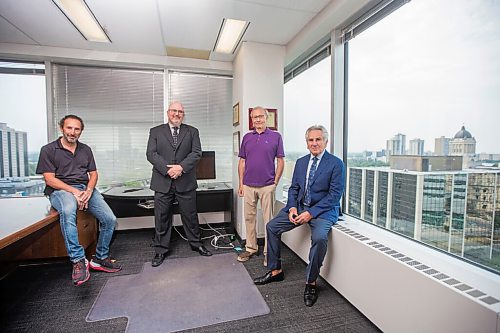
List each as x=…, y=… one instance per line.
x=407, y=146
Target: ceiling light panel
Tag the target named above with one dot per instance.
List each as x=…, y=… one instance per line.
x=230, y=34
x=83, y=19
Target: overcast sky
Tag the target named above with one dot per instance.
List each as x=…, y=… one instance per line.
x=441, y=70
x=25, y=111
x=424, y=71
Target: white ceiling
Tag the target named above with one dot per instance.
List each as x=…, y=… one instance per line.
x=149, y=26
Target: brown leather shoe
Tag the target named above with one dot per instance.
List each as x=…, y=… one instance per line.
x=245, y=256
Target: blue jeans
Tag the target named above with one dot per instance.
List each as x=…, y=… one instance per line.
x=65, y=203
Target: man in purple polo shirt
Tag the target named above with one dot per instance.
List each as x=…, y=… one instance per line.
x=258, y=176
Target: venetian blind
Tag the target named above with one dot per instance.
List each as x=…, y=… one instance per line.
x=207, y=103
x=118, y=107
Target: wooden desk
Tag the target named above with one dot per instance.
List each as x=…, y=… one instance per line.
x=29, y=229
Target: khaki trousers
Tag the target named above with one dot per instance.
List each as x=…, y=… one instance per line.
x=252, y=195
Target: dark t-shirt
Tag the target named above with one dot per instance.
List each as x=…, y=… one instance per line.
x=70, y=168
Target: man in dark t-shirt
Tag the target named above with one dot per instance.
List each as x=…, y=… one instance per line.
x=70, y=175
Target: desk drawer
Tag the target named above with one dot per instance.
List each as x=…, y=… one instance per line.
x=48, y=241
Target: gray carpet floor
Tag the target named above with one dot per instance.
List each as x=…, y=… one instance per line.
x=180, y=294
x=42, y=298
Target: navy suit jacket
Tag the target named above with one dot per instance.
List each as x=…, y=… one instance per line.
x=161, y=151
x=327, y=187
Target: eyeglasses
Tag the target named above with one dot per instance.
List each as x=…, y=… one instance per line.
x=259, y=116
x=176, y=111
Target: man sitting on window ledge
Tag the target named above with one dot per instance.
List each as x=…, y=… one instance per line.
x=70, y=175
x=313, y=198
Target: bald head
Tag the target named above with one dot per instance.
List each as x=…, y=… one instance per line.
x=175, y=113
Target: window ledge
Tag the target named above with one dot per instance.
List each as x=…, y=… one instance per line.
x=484, y=280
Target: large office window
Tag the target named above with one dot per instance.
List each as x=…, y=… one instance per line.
x=23, y=127
x=207, y=102
x=423, y=114
x=307, y=102
x=118, y=106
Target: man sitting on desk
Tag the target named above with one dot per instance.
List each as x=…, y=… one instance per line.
x=70, y=175
x=174, y=149
x=313, y=198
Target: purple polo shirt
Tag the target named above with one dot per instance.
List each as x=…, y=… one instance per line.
x=259, y=152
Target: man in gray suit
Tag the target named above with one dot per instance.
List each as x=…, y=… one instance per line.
x=174, y=150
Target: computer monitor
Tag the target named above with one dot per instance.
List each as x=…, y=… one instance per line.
x=206, y=166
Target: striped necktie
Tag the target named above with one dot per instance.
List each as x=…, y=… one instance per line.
x=175, y=135
x=312, y=171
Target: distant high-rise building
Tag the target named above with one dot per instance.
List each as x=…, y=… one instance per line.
x=397, y=145
x=463, y=144
x=488, y=157
x=416, y=147
x=14, y=152
x=455, y=211
x=442, y=146
x=426, y=163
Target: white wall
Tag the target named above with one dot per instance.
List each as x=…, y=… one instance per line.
x=144, y=222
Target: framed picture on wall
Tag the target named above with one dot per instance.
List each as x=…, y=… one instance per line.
x=272, y=119
x=236, y=143
x=236, y=114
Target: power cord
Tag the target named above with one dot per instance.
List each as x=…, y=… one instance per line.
x=228, y=244
x=221, y=237
x=149, y=204
x=217, y=238
x=182, y=236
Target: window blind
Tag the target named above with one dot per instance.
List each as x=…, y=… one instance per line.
x=207, y=102
x=314, y=55
x=118, y=107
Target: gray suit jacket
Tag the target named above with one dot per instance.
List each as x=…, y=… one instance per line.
x=161, y=152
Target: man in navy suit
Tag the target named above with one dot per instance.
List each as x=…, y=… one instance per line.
x=313, y=198
x=174, y=149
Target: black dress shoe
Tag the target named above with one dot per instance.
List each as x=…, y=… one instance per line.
x=158, y=259
x=310, y=295
x=269, y=277
x=202, y=250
